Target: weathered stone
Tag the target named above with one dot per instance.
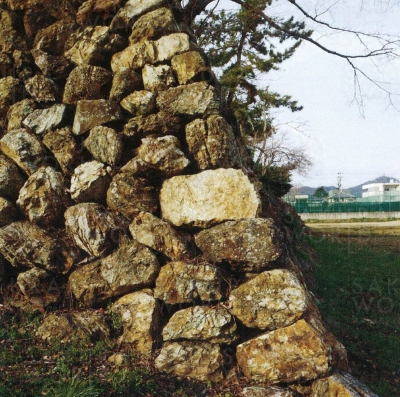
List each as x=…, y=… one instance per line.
x=125, y=81
x=160, y=123
x=139, y=103
x=153, y=25
x=25, y=149
x=56, y=67
x=159, y=235
x=25, y=245
x=254, y=391
x=340, y=385
x=52, y=39
x=93, y=228
x=105, y=145
x=207, y=198
x=86, y=50
x=64, y=148
x=8, y=212
x=291, y=354
x=162, y=154
x=19, y=5
x=271, y=300
x=92, y=113
x=182, y=282
x=42, y=120
x=93, y=45
x=10, y=93
x=169, y=46
x=9, y=20
x=141, y=320
x=39, y=287
x=120, y=360
x=201, y=323
x=198, y=360
x=24, y=64
x=158, y=78
x=11, y=178
x=130, y=195
x=36, y=19
x=196, y=99
x=90, y=10
x=90, y=182
x=19, y=112
x=42, y=89
x=74, y=326
x=86, y=82
x=130, y=268
x=133, y=57
x=43, y=197
x=250, y=244
x=212, y=143
x=6, y=65
x=11, y=40
x=190, y=65
x=132, y=10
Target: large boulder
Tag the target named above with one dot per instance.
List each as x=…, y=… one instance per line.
x=211, y=197
x=202, y=323
x=271, y=300
x=182, y=282
x=291, y=354
x=159, y=235
x=191, y=359
x=93, y=228
x=26, y=245
x=130, y=195
x=43, y=197
x=129, y=268
x=141, y=320
x=249, y=244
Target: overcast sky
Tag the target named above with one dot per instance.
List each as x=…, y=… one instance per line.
x=337, y=136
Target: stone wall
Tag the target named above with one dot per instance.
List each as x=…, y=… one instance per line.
x=123, y=183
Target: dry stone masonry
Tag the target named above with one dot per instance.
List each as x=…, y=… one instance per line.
x=123, y=183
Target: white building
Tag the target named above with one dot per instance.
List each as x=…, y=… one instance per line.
x=389, y=191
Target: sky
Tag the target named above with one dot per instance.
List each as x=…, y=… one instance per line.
x=360, y=143
x=341, y=137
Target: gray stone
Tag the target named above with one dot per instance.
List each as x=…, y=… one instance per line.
x=93, y=228
x=43, y=197
x=249, y=244
x=105, y=145
x=158, y=78
x=273, y=299
x=207, y=198
x=196, y=99
x=42, y=120
x=130, y=195
x=92, y=113
x=19, y=112
x=183, y=282
x=198, y=360
x=25, y=149
x=86, y=82
x=90, y=182
x=11, y=178
x=201, y=323
x=131, y=267
x=287, y=355
x=163, y=155
x=159, y=235
x=141, y=320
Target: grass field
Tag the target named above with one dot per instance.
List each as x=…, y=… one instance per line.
x=357, y=286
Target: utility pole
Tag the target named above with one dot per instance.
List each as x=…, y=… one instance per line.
x=339, y=183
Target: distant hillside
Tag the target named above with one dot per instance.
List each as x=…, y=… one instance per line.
x=355, y=191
